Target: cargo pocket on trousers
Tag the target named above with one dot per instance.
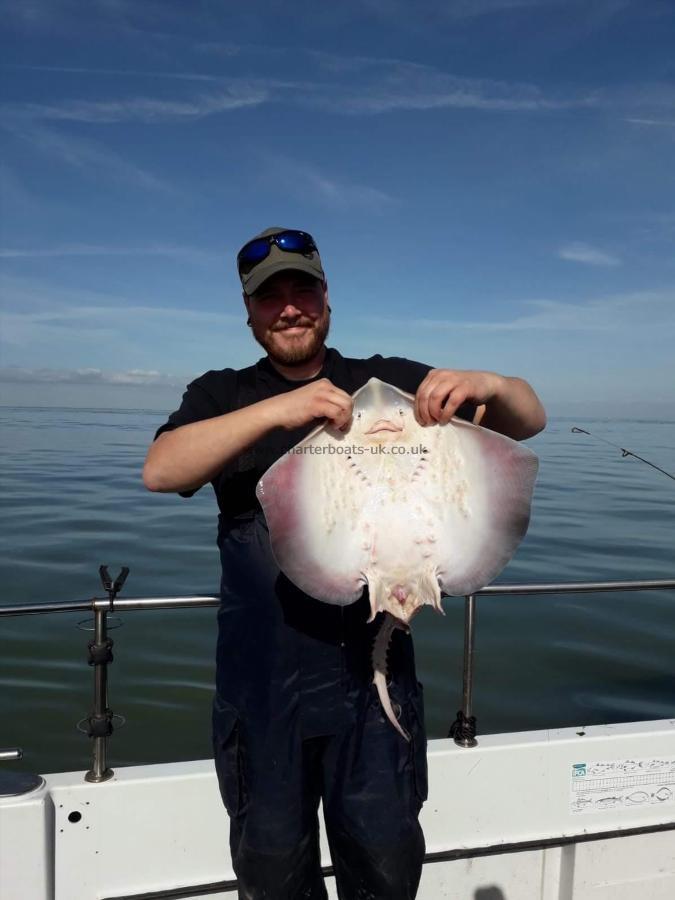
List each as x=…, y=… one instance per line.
x=418, y=744
x=228, y=755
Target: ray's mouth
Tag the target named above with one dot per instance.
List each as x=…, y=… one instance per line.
x=384, y=425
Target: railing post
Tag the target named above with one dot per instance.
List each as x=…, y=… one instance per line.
x=463, y=729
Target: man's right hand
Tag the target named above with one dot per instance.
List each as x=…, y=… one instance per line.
x=189, y=456
x=319, y=400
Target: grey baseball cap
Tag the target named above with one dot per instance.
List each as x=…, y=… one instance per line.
x=277, y=260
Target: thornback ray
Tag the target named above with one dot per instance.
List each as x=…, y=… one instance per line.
x=411, y=512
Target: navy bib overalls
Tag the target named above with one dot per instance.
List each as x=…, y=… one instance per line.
x=296, y=720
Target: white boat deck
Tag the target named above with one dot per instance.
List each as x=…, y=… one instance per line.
x=546, y=815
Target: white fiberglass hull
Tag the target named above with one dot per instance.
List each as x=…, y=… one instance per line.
x=551, y=815
x=545, y=815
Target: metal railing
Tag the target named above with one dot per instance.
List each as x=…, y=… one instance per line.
x=100, y=725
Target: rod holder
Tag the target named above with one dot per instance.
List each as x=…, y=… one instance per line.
x=463, y=729
x=99, y=724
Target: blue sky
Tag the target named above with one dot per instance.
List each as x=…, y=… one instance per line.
x=491, y=184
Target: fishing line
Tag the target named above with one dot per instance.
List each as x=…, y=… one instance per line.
x=624, y=452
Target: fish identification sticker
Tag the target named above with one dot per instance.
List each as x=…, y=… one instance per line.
x=622, y=783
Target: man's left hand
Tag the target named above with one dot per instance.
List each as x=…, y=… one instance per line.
x=444, y=390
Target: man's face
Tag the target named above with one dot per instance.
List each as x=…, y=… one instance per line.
x=289, y=317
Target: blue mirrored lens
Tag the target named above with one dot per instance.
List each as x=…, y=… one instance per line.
x=294, y=242
x=255, y=251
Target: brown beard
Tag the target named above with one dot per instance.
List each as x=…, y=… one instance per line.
x=304, y=351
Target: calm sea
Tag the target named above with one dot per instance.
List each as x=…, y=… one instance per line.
x=72, y=498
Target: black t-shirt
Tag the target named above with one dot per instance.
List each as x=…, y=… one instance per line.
x=279, y=649
x=219, y=392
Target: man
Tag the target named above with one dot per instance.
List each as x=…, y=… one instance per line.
x=296, y=718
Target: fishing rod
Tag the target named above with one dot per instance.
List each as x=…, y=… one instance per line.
x=624, y=452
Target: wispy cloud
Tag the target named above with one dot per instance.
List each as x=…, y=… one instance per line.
x=170, y=251
x=584, y=253
x=659, y=123
x=343, y=85
x=639, y=310
x=352, y=85
x=326, y=188
x=95, y=323
x=17, y=374
x=143, y=109
x=41, y=310
x=453, y=11
x=347, y=85
x=46, y=324
x=126, y=17
x=86, y=155
x=121, y=73
x=465, y=9
x=426, y=14
x=223, y=48
x=376, y=85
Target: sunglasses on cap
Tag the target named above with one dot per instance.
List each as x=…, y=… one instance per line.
x=259, y=248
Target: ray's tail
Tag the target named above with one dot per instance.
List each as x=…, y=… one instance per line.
x=380, y=668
